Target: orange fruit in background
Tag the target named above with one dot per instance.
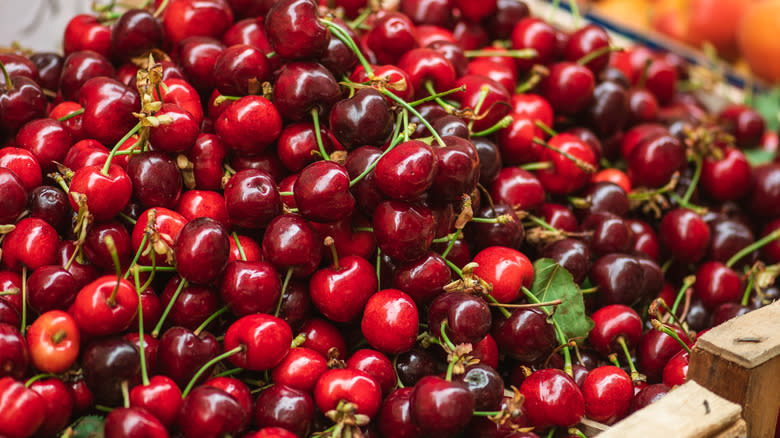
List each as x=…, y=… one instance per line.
x=758, y=39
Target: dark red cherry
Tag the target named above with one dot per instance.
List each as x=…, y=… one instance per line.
x=468, y=318
x=322, y=192
x=133, y=422
x=392, y=36
x=211, y=412
x=745, y=123
x=395, y=417
x=181, y=353
x=241, y=69
x=250, y=287
x=508, y=12
x=647, y=395
x=654, y=351
x=439, y=407
x=457, y=171
x=108, y=109
x=290, y=242
x=363, y=119
x=135, y=32
x=587, y=40
x=366, y=192
x=407, y=171
x=16, y=354
x=403, y=231
x=568, y=87
x=197, y=56
x=58, y=405
x=727, y=237
x=156, y=179
x=51, y=287
x=552, y=398
x=571, y=254
x=765, y=190
x=301, y=87
x=510, y=234
x=193, y=305
x=47, y=140
x=202, y=250
x=685, y=234
x=654, y=160
x=251, y=199
x=424, y=278
x=526, y=335
x=80, y=67
x=620, y=278
x=283, y=406
x=107, y=363
x=294, y=30
x=13, y=196
x=187, y=18
x=717, y=284
x=485, y=384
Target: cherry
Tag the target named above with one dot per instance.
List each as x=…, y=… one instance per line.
x=211, y=412
x=534, y=33
x=676, y=369
x=156, y=179
x=490, y=160
x=468, y=35
x=197, y=56
x=457, y=171
x=135, y=32
x=611, y=323
x=341, y=292
x=23, y=164
x=186, y=18
x=485, y=384
x=286, y=407
x=525, y=335
x=16, y=354
x=486, y=351
x=439, y=407
x=21, y=101
x=518, y=188
x=182, y=353
x=717, y=284
x=376, y=365
x=290, y=242
x=108, y=363
x=85, y=32
x=407, y=171
x=202, y=250
x=568, y=87
x=468, y=318
x=338, y=57
x=350, y=385
x=249, y=125
x=493, y=107
x=177, y=136
x=389, y=321
x=647, y=395
x=728, y=178
x=195, y=204
x=552, y=399
x=620, y=278
x=654, y=160
x=294, y=30
x=108, y=107
x=32, y=244
x=160, y=397
x=58, y=405
x=395, y=417
x=424, y=278
x=302, y=87
x=14, y=196
x=264, y=340
x=608, y=391
x=403, y=231
x=133, y=422
x=764, y=190
x=746, y=124
x=234, y=387
x=192, y=305
x=566, y=176
x=685, y=234
x=51, y=287
x=250, y=287
x=322, y=192
x=46, y=139
x=251, y=198
x=654, y=351
x=240, y=69
x=300, y=369
x=363, y=119
x=206, y=156
x=22, y=410
x=506, y=269
x=391, y=36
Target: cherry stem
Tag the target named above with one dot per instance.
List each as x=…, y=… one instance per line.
x=365, y=13
x=315, y=116
x=486, y=413
x=160, y=9
x=123, y=215
x=432, y=91
x=519, y=53
x=24, y=300
x=643, y=77
x=500, y=306
x=502, y=219
x=444, y=337
x=298, y=340
x=694, y=180
x=452, y=238
x=748, y=290
x=576, y=432
x=435, y=96
x=286, y=193
x=116, y=147
x=158, y=327
x=450, y=368
x=331, y=244
x=8, y=85
x=585, y=167
x=695, y=208
x=142, y=350
x=398, y=381
x=229, y=372
x=551, y=433
x=208, y=320
x=208, y=365
x=287, y=277
x=222, y=98
x=590, y=290
x=136, y=256
x=454, y=268
x=483, y=92
x=597, y=53
x=687, y=283
x=363, y=229
x=528, y=306
x=12, y=291
x=109, y=241
x=125, y=394
x=541, y=222
x=448, y=237
x=661, y=327
x=501, y=124
x=396, y=141
x=634, y=373
x=416, y=113
x=71, y=115
x=59, y=336
x=345, y=38
x=156, y=268
x=379, y=268
x=543, y=126
x=575, y=10
x=614, y=360
x=38, y=377
x=561, y=336
x=539, y=165
x=238, y=245
x=774, y=235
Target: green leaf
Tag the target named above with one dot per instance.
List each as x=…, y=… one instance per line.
x=759, y=156
x=90, y=426
x=554, y=282
x=768, y=104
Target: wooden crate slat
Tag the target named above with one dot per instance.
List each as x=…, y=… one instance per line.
x=689, y=411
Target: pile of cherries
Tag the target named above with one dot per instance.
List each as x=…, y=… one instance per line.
x=278, y=219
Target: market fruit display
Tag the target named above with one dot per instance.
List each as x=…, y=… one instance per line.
x=434, y=218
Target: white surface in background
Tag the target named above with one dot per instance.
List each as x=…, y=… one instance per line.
x=38, y=24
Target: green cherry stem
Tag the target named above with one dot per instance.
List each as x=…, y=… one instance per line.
x=23, y=329
x=567, y=367
x=634, y=373
x=501, y=308
x=694, y=180
x=208, y=320
x=8, y=85
x=547, y=130
x=116, y=147
x=141, y=351
x=748, y=290
x=687, y=283
x=444, y=337
x=432, y=91
x=454, y=268
x=435, y=96
x=208, y=365
x=285, y=193
x=501, y=124
x=339, y=33
x=287, y=277
x=158, y=327
x=658, y=325
x=396, y=141
x=71, y=115
x=379, y=267
x=519, y=53
x=483, y=92
x=485, y=413
x=598, y=52
x=416, y=113
x=774, y=235
x=315, y=116
x=238, y=245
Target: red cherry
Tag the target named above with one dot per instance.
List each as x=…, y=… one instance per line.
x=348, y=385
x=22, y=163
x=300, y=369
x=506, y=269
x=265, y=341
x=133, y=422
x=611, y=322
x=58, y=403
x=33, y=243
x=608, y=392
x=341, y=292
x=390, y=321
x=22, y=410
x=85, y=32
x=105, y=307
x=249, y=125
x=552, y=399
x=250, y=287
x=566, y=176
x=186, y=18
x=53, y=339
x=676, y=370
x=161, y=397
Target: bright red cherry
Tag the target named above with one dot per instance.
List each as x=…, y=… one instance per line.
x=264, y=340
x=53, y=339
x=608, y=392
x=390, y=321
x=348, y=385
x=506, y=269
x=22, y=410
x=552, y=399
